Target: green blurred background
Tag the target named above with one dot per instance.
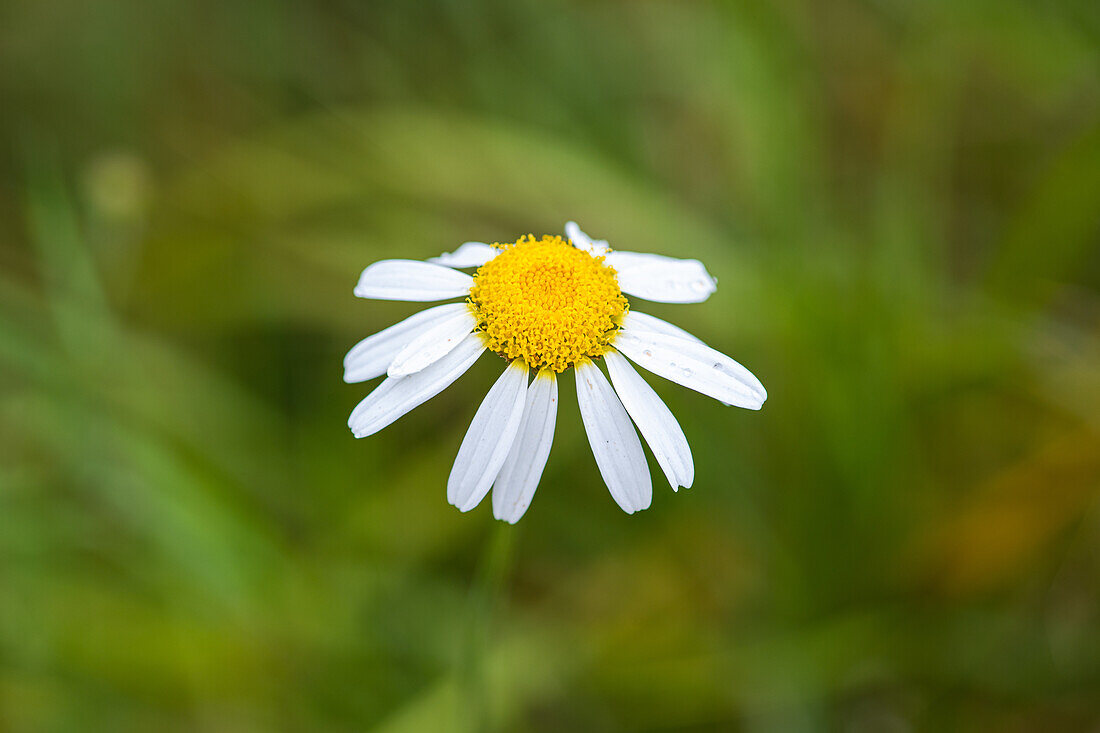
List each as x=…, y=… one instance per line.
x=901, y=202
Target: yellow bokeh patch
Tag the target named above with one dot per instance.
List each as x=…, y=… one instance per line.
x=546, y=302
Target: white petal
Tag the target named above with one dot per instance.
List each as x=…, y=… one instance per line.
x=694, y=365
x=372, y=356
x=663, y=279
x=655, y=421
x=614, y=443
x=583, y=241
x=412, y=280
x=623, y=260
x=489, y=438
x=636, y=321
x=434, y=343
x=519, y=477
x=394, y=397
x=470, y=254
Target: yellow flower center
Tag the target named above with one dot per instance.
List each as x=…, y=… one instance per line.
x=546, y=302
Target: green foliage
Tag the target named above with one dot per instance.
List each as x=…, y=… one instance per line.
x=900, y=202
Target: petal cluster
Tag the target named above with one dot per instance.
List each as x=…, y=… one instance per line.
x=545, y=305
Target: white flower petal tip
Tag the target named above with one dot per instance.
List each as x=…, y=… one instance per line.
x=581, y=240
x=614, y=442
x=519, y=477
x=470, y=254
x=489, y=439
x=434, y=343
x=372, y=356
x=395, y=397
x=694, y=365
x=662, y=279
x=654, y=420
x=412, y=280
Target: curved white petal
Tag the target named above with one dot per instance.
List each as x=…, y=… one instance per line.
x=614, y=443
x=412, y=280
x=583, y=241
x=662, y=279
x=623, y=260
x=636, y=321
x=434, y=343
x=519, y=477
x=655, y=421
x=394, y=397
x=372, y=356
x=694, y=365
x=470, y=254
x=489, y=438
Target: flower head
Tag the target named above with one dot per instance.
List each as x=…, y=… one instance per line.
x=545, y=305
x=547, y=302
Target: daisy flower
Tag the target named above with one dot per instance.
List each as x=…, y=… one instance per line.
x=545, y=306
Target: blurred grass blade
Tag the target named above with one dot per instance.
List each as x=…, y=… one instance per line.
x=1055, y=229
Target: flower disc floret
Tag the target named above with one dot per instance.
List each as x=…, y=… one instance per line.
x=546, y=302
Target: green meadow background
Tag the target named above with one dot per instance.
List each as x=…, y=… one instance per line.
x=900, y=200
